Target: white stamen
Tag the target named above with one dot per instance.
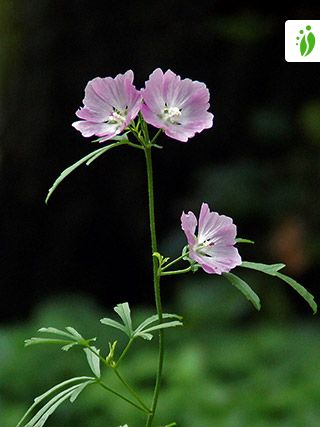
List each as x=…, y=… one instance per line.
x=171, y=114
x=117, y=118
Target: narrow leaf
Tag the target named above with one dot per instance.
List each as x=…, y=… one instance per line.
x=56, y=331
x=80, y=389
x=244, y=288
x=123, y=310
x=144, y=335
x=74, y=333
x=93, y=158
x=113, y=324
x=35, y=340
x=301, y=291
x=68, y=346
x=155, y=318
x=271, y=269
x=40, y=398
x=93, y=360
x=85, y=159
x=163, y=326
x=50, y=407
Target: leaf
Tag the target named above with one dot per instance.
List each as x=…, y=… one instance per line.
x=72, y=392
x=113, y=324
x=43, y=414
x=93, y=360
x=244, y=288
x=153, y=319
x=40, y=398
x=311, y=41
x=79, y=390
x=301, y=291
x=56, y=331
x=74, y=333
x=86, y=159
x=240, y=240
x=123, y=310
x=271, y=269
x=35, y=340
x=68, y=346
x=303, y=46
x=163, y=326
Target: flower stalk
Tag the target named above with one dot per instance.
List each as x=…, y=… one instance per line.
x=156, y=281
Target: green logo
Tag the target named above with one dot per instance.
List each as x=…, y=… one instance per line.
x=306, y=41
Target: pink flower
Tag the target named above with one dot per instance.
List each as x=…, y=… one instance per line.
x=109, y=106
x=179, y=107
x=213, y=248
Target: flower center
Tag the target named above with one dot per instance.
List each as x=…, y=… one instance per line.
x=171, y=115
x=203, y=245
x=117, y=117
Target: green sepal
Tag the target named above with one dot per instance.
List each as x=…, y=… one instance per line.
x=244, y=288
x=240, y=240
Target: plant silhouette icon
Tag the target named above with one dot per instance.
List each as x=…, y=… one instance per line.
x=306, y=41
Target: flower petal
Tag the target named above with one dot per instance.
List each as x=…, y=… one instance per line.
x=188, y=225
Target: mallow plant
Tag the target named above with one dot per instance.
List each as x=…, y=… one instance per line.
x=119, y=115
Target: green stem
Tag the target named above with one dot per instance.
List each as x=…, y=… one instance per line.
x=124, y=351
x=171, y=273
x=114, y=368
x=131, y=390
x=156, y=283
x=174, y=261
x=122, y=397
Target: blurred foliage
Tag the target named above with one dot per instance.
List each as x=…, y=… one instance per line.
x=217, y=373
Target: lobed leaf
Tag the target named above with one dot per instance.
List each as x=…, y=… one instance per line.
x=244, y=288
x=114, y=324
x=153, y=319
x=40, y=398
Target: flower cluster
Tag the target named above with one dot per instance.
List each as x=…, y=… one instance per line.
x=177, y=106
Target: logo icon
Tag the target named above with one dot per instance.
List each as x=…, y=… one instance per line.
x=302, y=40
x=306, y=41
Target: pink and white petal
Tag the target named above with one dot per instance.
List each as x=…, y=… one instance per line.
x=90, y=128
x=212, y=226
x=188, y=225
x=94, y=116
x=177, y=132
x=153, y=92
x=99, y=129
x=151, y=118
x=224, y=258
x=98, y=96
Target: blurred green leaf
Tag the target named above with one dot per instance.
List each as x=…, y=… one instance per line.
x=300, y=289
x=244, y=288
x=271, y=269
